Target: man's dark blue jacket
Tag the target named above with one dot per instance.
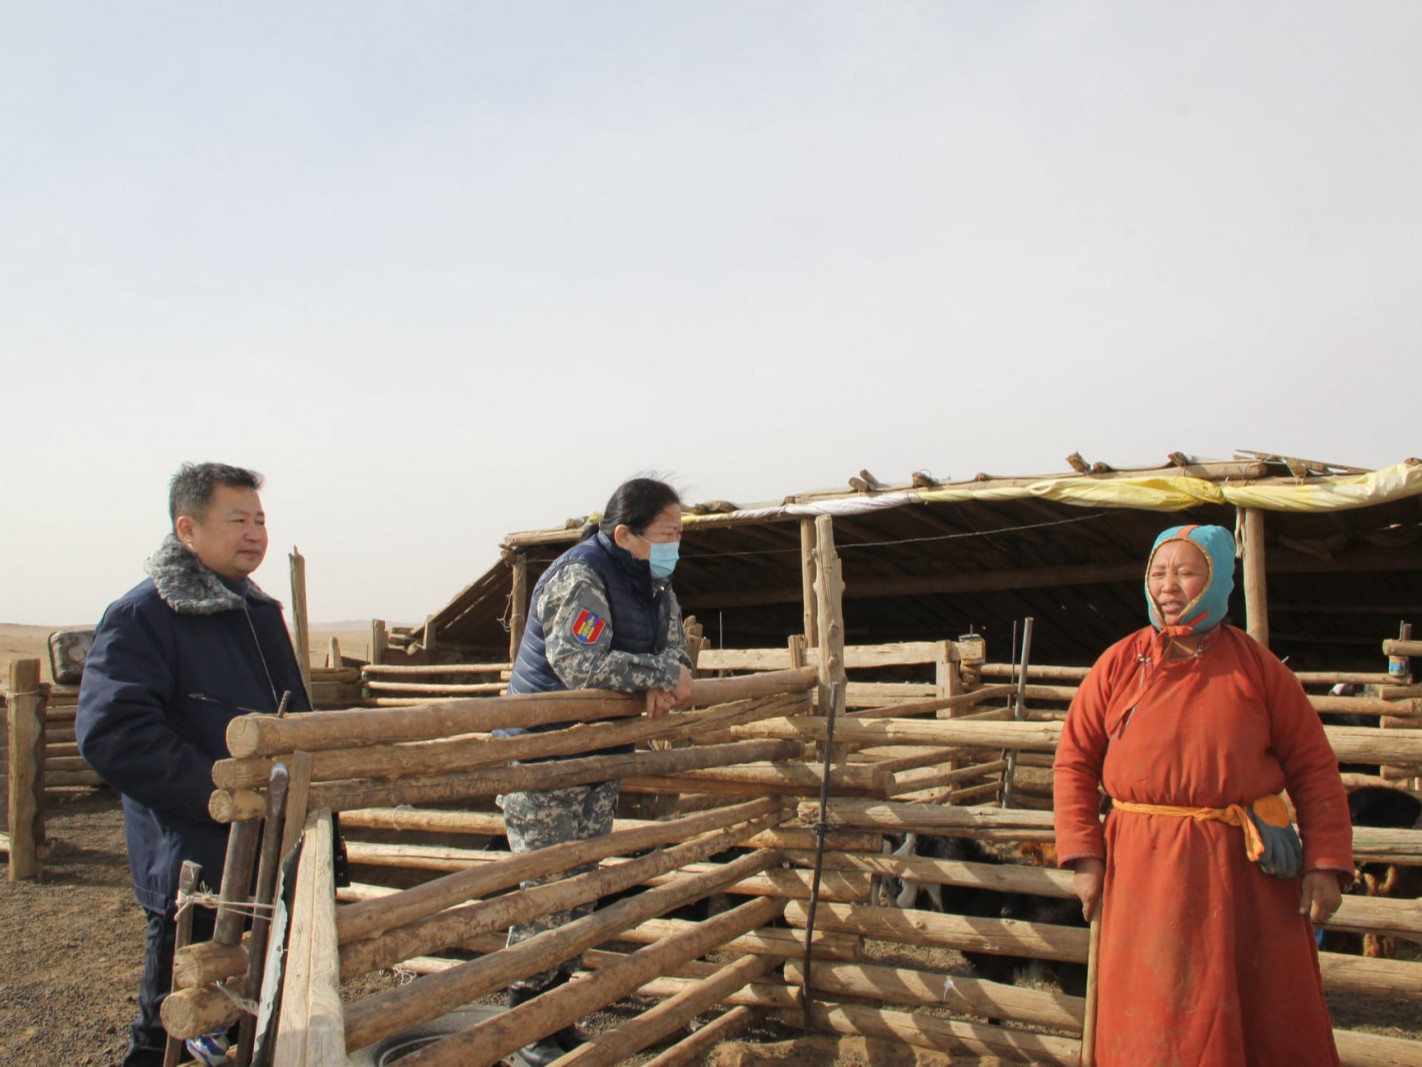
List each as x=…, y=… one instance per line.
x=174, y=660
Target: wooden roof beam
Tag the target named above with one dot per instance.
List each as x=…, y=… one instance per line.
x=1281, y=561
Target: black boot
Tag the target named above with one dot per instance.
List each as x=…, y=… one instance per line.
x=570, y=1037
x=545, y=1050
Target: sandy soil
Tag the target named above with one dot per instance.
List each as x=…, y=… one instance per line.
x=72, y=951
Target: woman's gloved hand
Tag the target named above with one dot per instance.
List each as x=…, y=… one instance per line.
x=1283, y=852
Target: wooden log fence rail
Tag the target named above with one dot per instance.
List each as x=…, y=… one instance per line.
x=923, y=757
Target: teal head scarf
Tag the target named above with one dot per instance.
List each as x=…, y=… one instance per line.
x=1207, y=610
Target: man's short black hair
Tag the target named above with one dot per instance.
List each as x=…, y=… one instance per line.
x=191, y=490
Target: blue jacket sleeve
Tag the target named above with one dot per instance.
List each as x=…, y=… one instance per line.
x=123, y=723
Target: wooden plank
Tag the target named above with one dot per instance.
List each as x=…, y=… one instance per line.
x=311, y=1030
x=301, y=626
x=944, y=1035
x=384, y=1014
x=1372, y=977
x=362, y=921
x=959, y=732
x=269, y=735
x=613, y=1047
x=434, y=688
x=1008, y=937
x=469, y=752
x=997, y=877
x=484, y=1043
x=188, y=877
x=458, y=925
x=518, y=603
x=880, y=694
x=722, y=1028
x=808, y=604
x=1374, y=1050
x=889, y=816
x=381, y=670
x=767, y=941
x=298, y=799
x=237, y=872
x=379, y=641
x=371, y=792
x=1256, y=592
x=930, y=989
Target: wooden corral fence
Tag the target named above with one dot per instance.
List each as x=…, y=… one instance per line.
x=63, y=765
x=39, y=753
x=447, y=929
x=755, y=751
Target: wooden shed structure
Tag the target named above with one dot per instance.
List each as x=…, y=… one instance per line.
x=1332, y=560
x=856, y=709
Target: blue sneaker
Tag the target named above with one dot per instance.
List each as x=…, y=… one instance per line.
x=209, y=1049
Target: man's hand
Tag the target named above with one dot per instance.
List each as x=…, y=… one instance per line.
x=1089, y=874
x=1321, y=895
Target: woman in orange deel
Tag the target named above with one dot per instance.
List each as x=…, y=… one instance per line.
x=1207, y=895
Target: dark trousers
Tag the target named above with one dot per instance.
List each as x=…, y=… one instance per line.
x=146, y=1037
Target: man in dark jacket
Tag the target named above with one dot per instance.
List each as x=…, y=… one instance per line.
x=174, y=660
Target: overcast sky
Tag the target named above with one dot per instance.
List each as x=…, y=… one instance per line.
x=443, y=270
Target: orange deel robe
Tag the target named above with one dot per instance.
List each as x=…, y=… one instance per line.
x=1204, y=959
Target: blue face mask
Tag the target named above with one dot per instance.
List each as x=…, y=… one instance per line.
x=663, y=557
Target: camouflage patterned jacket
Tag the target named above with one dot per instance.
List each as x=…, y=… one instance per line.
x=577, y=626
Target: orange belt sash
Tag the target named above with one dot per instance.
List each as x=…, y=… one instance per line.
x=1269, y=808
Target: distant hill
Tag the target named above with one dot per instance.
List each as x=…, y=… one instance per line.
x=354, y=624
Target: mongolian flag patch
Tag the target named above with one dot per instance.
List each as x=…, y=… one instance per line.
x=587, y=627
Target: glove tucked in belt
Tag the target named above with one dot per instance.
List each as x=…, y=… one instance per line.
x=1269, y=838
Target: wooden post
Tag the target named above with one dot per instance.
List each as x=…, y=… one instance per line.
x=829, y=590
x=807, y=580
x=298, y=797
x=237, y=871
x=947, y=682
x=379, y=641
x=188, y=877
x=311, y=1030
x=518, y=603
x=269, y=861
x=796, y=647
x=299, y=620
x=333, y=655
x=1088, y=1029
x=26, y=767
x=1256, y=595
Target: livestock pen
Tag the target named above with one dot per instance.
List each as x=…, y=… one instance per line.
x=797, y=931
x=741, y=898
